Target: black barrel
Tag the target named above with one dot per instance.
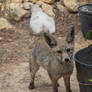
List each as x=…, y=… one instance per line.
x=83, y=59
x=85, y=13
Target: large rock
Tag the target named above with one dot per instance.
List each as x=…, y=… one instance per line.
x=71, y=5
x=15, y=5
x=16, y=1
x=61, y=8
x=27, y=5
x=48, y=9
x=34, y=1
x=45, y=1
x=48, y=1
x=4, y=24
x=17, y=12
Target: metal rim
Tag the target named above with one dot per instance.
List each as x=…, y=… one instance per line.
x=79, y=9
x=76, y=60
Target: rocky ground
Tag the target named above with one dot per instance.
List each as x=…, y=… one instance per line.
x=15, y=47
x=14, y=57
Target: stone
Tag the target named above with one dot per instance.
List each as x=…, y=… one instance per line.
x=48, y=1
x=4, y=24
x=61, y=8
x=6, y=84
x=27, y=5
x=15, y=5
x=17, y=11
x=45, y=1
x=16, y=1
x=34, y=1
x=71, y=5
x=48, y=9
x=83, y=2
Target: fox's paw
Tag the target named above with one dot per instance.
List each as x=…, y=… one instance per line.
x=31, y=86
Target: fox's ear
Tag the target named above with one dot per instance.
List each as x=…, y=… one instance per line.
x=50, y=40
x=71, y=35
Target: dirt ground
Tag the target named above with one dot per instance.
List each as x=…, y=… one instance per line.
x=14, y=56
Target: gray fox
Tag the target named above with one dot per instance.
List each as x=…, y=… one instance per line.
x=57, y=60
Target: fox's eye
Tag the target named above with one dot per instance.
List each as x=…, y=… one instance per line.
x=68, y=49
x=59, y=51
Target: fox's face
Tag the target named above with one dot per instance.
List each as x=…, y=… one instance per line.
x=63, y=49
x=66, y=53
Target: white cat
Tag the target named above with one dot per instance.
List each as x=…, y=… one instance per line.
x=40, y=21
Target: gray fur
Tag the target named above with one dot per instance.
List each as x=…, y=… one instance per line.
x=54, y=61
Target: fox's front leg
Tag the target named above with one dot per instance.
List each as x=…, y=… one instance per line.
x=54, y=83
x=67, y=84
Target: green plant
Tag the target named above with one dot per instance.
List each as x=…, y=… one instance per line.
x=88, y=33
x=90, y=80
x=11, y=14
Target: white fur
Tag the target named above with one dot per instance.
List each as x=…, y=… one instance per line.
x=40, y=21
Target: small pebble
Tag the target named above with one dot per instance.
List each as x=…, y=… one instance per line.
x=1, y=38
x=6, y=84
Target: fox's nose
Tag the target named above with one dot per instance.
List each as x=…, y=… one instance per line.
x=66, y=59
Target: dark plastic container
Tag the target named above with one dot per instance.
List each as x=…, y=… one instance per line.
x=85, y=13
x=83, y=59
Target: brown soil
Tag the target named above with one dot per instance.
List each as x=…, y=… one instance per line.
x=14, y=56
